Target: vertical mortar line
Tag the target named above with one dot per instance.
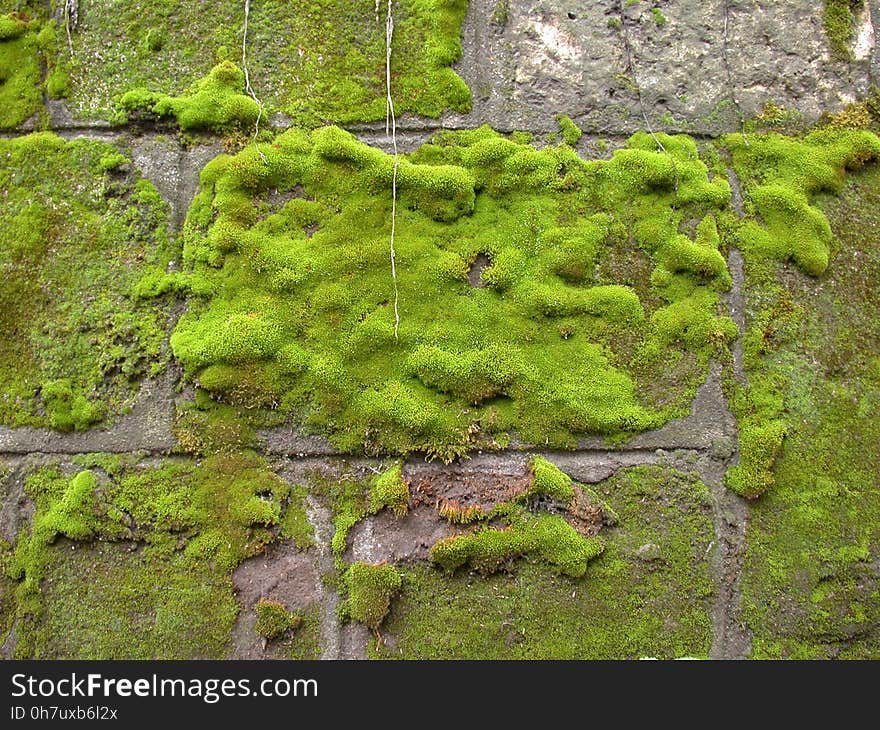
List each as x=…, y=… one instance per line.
x=731, y=638
x=331, y=629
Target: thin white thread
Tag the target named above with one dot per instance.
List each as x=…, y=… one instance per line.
x=390, y=120
x=247, y=79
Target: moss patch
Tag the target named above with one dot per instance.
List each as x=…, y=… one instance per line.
x=76, y=228
x=28, y=46
x=810, y=587
x=369, y=590
x=839, y=20
x=316, y=60
x=631, y=603
x=782, y=177
x=215, y=103
x=287, y=264
x=274, y=620
x=134, y=561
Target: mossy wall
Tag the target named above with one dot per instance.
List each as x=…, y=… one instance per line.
x=557, y=293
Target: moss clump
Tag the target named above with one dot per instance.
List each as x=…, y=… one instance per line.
x=626, y=606
x=389, y=490
x=840, y=24
x=274, y=620
x=292, y=303
x=571, y=132
x=73, y=240
x=20, y=73
x=550, y=481
x=353, y=499
x=215, y=103
x=68, y=410
x=370, y=589
x=780, y=175
x=546, y=537
x=171, y=594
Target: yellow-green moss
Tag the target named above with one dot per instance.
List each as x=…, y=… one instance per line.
x=76, y=230
x=135, y=560
x=810, y=585
x=369, y=590
x=631, y=602
x=292, y=300
x=316, y=60
x=274, y=620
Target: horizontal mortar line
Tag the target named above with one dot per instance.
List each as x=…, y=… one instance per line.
x=369, y=127
x=340, y=456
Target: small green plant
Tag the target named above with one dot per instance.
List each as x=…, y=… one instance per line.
x=370, y=589
x=839, y=25
x=547, y=537
x=571, y=132
x=659, y=18
x=389, y=490
x=215, y=103
x=274, y=620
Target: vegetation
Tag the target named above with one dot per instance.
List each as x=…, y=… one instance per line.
x=549, y=537
x=810, y=586
x=289, y=302
x=840, y=25
x=317, y=60
x=141, y=555
x=781, y=177
x=215, y=103
x=627, y=605
x=571, y=132
x=77, y=229
x=274, y=620
x=370, y=589
x=28, y=64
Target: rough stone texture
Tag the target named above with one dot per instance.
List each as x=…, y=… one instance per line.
x=173, y=169
x=552, y=58
x=285, y=574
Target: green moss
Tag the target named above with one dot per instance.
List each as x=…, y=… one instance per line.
x=840, y=25
x=73, y=240
x=571, y=132
x=149, y=570
x=810, y=585
x=274, y=620
x=295, y=523
x=389, y=490
x=370, y=589
x=215, y=103
x=547, y=537
x=292, y=302
x=659, y=18
x=782, y=178
x=780, y=174
x=315, y=60
x=550, y=481
x=628, y=604
x=20, y=72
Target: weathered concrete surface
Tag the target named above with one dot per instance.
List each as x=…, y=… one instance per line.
x=285, y=574
x=172, y=168
x=534, y=60
x=148, y=427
